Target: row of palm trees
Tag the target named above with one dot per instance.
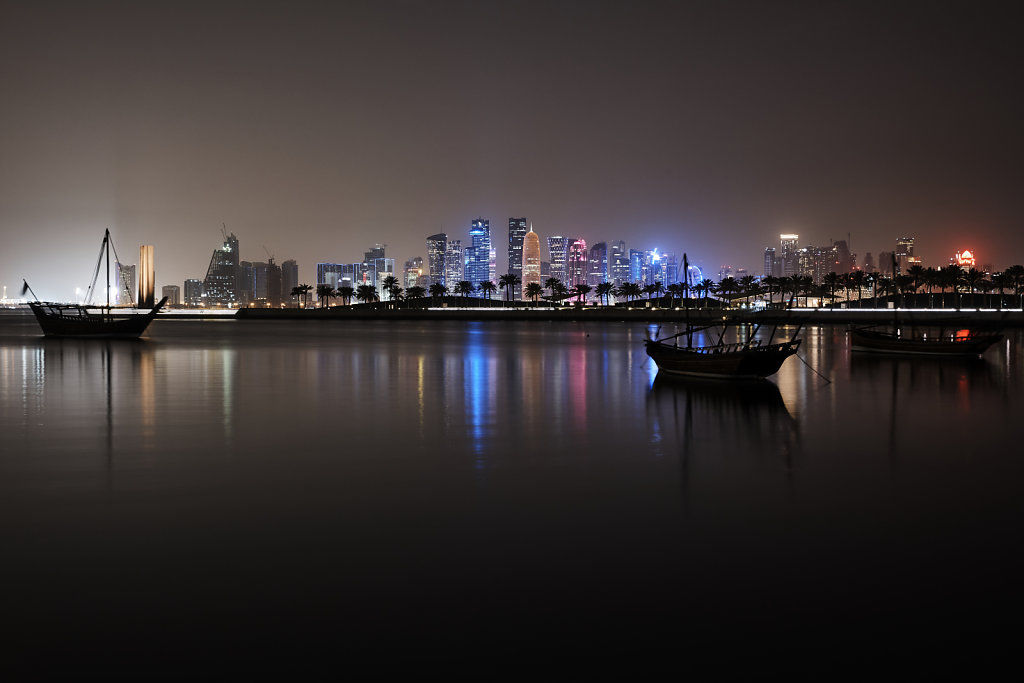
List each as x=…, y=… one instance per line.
x=951, y=278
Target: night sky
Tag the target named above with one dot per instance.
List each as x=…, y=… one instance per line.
x=319, y=129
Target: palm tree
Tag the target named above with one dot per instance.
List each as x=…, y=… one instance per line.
x=415, y=293
x=971, y=278
x=1015, y=277
x=726, y=288
x=552, y=283
x=918, y=277
x=769, y=281
x=436, y=290
x=630, y=290
x=706, y=286
x=580, y=291
x=951, y=276
x=857, y=280
x=999, y=282
x=346, y=293
x=302, y=291
x=746, y=286
x=487, y=288
x=604, y=291
x=831, y=280
x=675, y=290
x=366, y=293
x=389, y=285
x=509, y=281
x=464, y=288
x=533, y=291
x=324, y=292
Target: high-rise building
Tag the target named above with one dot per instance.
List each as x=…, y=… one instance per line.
x=289, y=281
x=886, y=262
x=668, y=269
x=454, y=264
x=636, y=266
x=173, y=294
x=194, y=293
x=147, y=277
x=789, y=253
x=531, y=261
x=516, y=233
x=577, y=263
x=267, y=276
x=618, y=263
x=769, y=262
x=904, y=252
x=246, y=283
x=597, y=272
x=330, y=274
x=220, y=288
x=126, y=284
x=869, y=263
x=558, y=249
x=478, y=254
x=437, y=247
x=413, y=272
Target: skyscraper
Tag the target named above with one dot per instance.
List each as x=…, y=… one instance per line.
x=289, y=280
x=769, y=261
x=454, y=264
x=437, y=246
x=194, y=293
x=413, y=272
x=531, y=260
x=220, y=288
x=173, y=294
x=478, y=254
x=636, y=266
x=905, y=253
x=516, y=234
x=126, y=284
x=558, y=249
x=147, y=277
x=577, y=262
x=790, y=266
x=598, y=269
x=618, y=263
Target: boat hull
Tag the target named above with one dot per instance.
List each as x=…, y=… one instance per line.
x=744, y=363
x=876, y=341
x=76, y=321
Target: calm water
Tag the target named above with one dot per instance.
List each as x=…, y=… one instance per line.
x=247, y=494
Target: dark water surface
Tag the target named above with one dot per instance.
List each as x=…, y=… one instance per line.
x=247, y=494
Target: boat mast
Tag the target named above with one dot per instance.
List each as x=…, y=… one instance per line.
x=686, y=300
x=106, y=245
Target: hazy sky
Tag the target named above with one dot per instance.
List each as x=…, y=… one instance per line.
x=319, y=129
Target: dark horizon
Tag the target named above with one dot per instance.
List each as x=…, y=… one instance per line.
x=317, y=131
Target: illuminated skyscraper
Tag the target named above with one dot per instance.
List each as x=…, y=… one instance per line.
x=478, y=254
x=618, y=263
x=905, y=253
x=516, y=234
x=126, y=284
x=454, y=264
x=437, y=249
x=636, y=266
x=413, y=273
x=597, y=271
x=531, y=260
x=790, y=266
x=577, y=263
x=769, y=262
x=147, y=277
x=558, y=249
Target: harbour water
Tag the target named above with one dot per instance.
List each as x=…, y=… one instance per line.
x=248, y=494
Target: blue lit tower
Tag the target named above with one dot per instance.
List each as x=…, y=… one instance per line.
x=598, y=271
x=478, y=254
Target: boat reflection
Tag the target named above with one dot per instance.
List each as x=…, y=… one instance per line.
x=725, y=422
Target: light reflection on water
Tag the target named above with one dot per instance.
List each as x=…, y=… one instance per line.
x=515, y=469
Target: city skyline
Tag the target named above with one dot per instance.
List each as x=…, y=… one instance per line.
x=689, y=127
